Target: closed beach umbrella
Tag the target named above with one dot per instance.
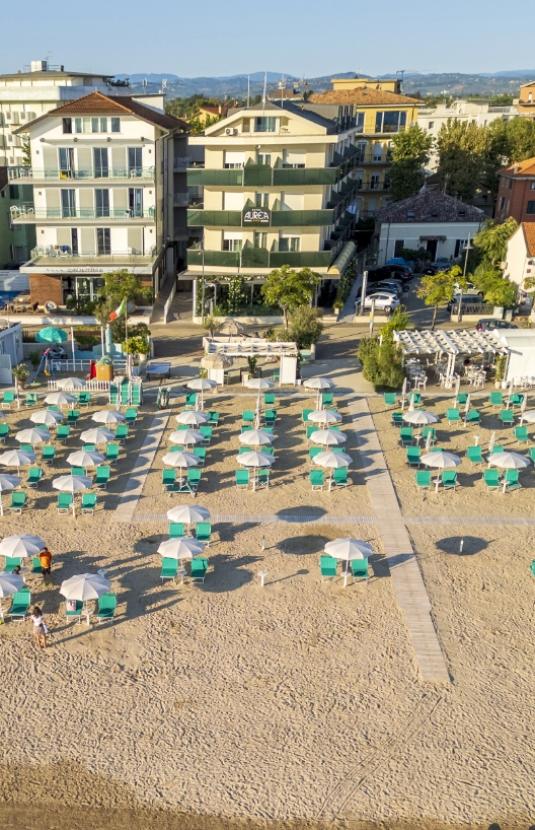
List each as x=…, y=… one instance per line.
x=46, y=417
x=70, y=384
x=324, y=416
x=328, y=438
x=60, y=399
x=183, y=437
x=332, y=460
x=71, y=484
x=110, y=417
x=419, y=418
x=191, y=417
x=509, y=460
x=10, y=584
x=180, y=548
x=33, y=436
x=51, y=334
x=97, y=436
x=255, y=438
x=440, y=460
x=84, y=587
x=347, y=550
x=21, y=546
x=17, y=458
x=7, y=483
x=202, y=385
x=187, y=514
x=83, y=458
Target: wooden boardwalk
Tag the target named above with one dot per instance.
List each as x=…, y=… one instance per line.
x=407, y=580
x=140, y=470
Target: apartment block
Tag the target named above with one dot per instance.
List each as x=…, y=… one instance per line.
x=516, y=192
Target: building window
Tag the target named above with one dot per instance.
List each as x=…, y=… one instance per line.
x=102, y=202
x=399, y=246
x=532, y=185
x=74, y=241
x=430, y=125
x=530, y=207
x=289, y=244
x=390, y=121
x=265, y=124
x=375, y=182
x=264, y=158
x=359, y=122
x=231, y=241
x=14, y=192
x=115, y=125
x=135, y=201
x=233, y=160
x=259, y=239
x=67, y=125
x=100, y=162
x=66, y=162
x=99, y=125
x=261, y=200
x=135, y=162
x=103, y=241
x=68, y=202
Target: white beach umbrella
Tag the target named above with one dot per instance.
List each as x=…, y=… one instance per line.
x=47, y=417
x=60, y=399
x=419, y=418
x=180, y=459
x=261, y=385
x=254, y=459
x=509, y=460
x=70, y=384
x=83, y=458
x=109, y=417
x=7, y=482
x=347, y=550
x=84, y=587
x=183, y=437
x=191, y=417
x=528, y=416
x=17, y=458
x=10, y=584
x=255, y=438
x=188, y=514
x=332, y=460
x=324, y=416
x=21, y=546
x=97, y=436
x=201, y=385
x=328, y=438
x=71, y=484
x=33, y=436
x=440, y=460
x=318, y=384
x=185, y=548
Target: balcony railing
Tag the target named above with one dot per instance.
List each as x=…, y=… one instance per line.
x=262, y=175
x=53, y=174
x=63, y=254
x=277, y=218
x=251, y=257
x=28, y=214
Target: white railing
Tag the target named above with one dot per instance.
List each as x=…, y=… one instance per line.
x=89, y=385
x=119, y=364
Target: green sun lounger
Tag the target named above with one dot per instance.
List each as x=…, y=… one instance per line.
x=102, y=475
x=269, y=398
x=63, y=432
x=507, y=417
x=317, y=479
x=169, y=569
x=406, y=436
x=390, y=398
x=203, y=531
x=475, y=454
x=31, y=399
x=492, y=479
x=413, y=455
x=248, y=416
x=449, y=479
x=4, y=431
x=18, y=501
x=35, y=474
x=169, y=478
x=48, y=453
x=328, y=567
x=305, y=413
x=89, y=502
x=198, y=569
x=112, y=451
x=193, y=478
x=359, y=569
x=64, y=502
x=241, y=478
x=423, y=479
x=397, y=419
x=453, y=415
x=177, y=530
x=473, y=416
x=462, y=397
x=214, y=417
x=496, y=398
x=20, y=604
x=200, y=453
x=11, y=563
x=107, y=605
x=522, y=434
x=512, y=480
x=73, y=609
x=340, y=478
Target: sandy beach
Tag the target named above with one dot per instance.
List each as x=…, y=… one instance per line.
x=301, y=702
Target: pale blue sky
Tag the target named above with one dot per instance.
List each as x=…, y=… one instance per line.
x=300, y=37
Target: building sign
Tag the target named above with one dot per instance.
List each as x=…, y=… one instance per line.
x=83, y=269
x=256, y=216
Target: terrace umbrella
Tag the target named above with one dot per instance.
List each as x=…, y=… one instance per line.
x=180, y=548
x=324, y=416
x=256, y=460
x=17, y=458
x=255, y=438
x=191, y=417
x=22, y=546
x=347, y=550
x=97, y=436
x=328, y=437
x=51, y=334
x=9, y=585
x=332, y=460
x=261, y=385
x=187, y=514
x=201, y=385
x=181, y=460
x=83, y=458
x=183, y=437
x=60, y=399
x=33, y=436
x=318, y=384
x=528, y=416
x=419, y=418
x=509, y=460
x=70, y=384
x=7, y=483
x=440, y=461
x=109, y=417
x=46, y=417
x=85, y=587
x=71, y=484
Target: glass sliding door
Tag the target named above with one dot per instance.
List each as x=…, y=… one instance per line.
x=66, y=162
x=103, y=242
x=135, y=164
x=100, y=162
x=135, y=201
x=102, y=202
x=68, y=202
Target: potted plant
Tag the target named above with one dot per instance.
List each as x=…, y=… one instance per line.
x=21, y=374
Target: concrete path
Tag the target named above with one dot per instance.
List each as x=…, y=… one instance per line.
x=141, y=468
x=407, y=580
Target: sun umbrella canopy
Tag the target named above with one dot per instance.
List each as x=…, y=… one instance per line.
x=348, y=549
x=46, y=417
x=260, y=384
x=201, y=384
x=528, y=416
x=440, y=460
x=85, y=587
x=255, y=438
x=180, y=459
x=317, y=383
x=33, y=436
x=328, y=438
x=71, y=484
x=254, y=459
x=108, y=416
x=51, y=334
x=21, y=546
x=10, y=584
x=8, y=482
x=419, y=418
x=190, y=515
x=60, y=399
x=324, y=416
x=180, y=548
x=83, y=458
x=509, y=460
x=97, y=435
x=191, y=417
x=183, y=437
x=70, y=384
x=332, y=460
x=17, y=458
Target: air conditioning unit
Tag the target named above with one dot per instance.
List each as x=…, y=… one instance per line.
x=229, y=131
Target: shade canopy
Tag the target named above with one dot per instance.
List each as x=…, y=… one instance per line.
x=254, y=459
x=33, y=436
x=419, y=418
x=440, y=460
x=189, y=514
x=60, y=399
x=332, y=460
x=97, y=435
x=348, y=549
x=191, y=417
x=260, y=384
x=83, y=458
x=201, y=384
x=255, y=438
x=509, y=460
x=328, y=437
x=46, y=417
x=185, y=548
x=17, y=458
x=324, y=416
x=10, y=584
x=317, y=383
x=70, y=384
x=183, y=437
x=21, y=546
x=51, y=334
x=109, y=417
x=528, y=416
x=84, y=587
x=8, y=482
x=71, y=484
x=180, y=459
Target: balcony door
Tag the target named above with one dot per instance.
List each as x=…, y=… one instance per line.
x=135, y=163
x=100, y=162
x=68, y=202
x=103, y=242
x=102, y=202
x=66, y=162
x=135, y=201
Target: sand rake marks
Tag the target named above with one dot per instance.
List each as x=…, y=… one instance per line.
x=342, y=793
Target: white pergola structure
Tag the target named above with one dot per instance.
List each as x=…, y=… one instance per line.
x=451, y=344
x=231, y=347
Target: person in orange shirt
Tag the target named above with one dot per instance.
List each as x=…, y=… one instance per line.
x=45, y=560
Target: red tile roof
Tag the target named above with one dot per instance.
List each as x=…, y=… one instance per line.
x=363, y=96
x=521, y=168
x=529, y=236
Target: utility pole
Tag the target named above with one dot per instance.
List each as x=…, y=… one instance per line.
x=467, y=249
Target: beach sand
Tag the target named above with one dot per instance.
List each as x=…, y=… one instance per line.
x=226, y=704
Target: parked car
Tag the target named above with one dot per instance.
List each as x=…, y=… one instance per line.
x=387, y=272
x=466, y=300
x=490, y=324
x=442, y=263
x=401, y=261
x=390, y=286
x=383, y=301
x=468, y=289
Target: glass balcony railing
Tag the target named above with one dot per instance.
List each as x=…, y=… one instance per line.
x=277, y=218
x=28, y=214
x=251, y=257
x=54, y=174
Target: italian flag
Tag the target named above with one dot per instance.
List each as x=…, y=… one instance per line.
x=119, y=311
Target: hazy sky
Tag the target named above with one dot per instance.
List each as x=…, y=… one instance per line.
x=300, y=37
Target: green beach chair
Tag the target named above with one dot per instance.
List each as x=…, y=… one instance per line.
x=311, y=428
x=359, y=569
x=206, y=432
x=193, y=478
x=326, y=399
x=20, y=604
x=423, y=479
x=531, y=453
x=263, y=477
x=169, y=478
x=241, y=479
x=112, y=451
x=314, y=451
x=4, y=431
x=492, y=479
x=191, y=400
x=48, y=453
x=511, y=479
x=214, y=417
x=317, y=479
x=89, y=447
x=11, y=563
x=84, y=398
x=413, y=455
x=31, y=399
x=198, y=569
x=406, y=436
x=506, y=417
x=130, y=414
x=473, y=417
x=340, y=478
x=78, y=471
x=461, y=399
x=270, y=416
x=449, y=479
x=390, y=398
x=63, y=432
x=35, y=474
x=122, y=432
x=203, y=532
x=516, y=399
x=102, y=475
x=169, y=569
x=18, y=501
x=89, y=502
x=305, y=413
x=36, y=565
x=429, y=431
x=475, y=454
x=177, y=530
x=522, y=434
x=453, y=415
x=73, y=609
x=248, y=416
x=496, y=398
x=27, y=448
x=73, y=416
x=269, y=398
x=64, y=502
x=200, y=453
x=8, y=399
x=397, y=419
x=328, y=567
x=106, y=607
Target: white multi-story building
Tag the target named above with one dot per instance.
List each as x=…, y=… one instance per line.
x=109, y=192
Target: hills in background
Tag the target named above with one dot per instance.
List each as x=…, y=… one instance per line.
x=235, y=86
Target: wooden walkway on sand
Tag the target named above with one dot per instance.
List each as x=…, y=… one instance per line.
x=140, y=470
x=407, y=580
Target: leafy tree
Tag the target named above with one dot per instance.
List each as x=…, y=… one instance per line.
x=136, y=345
x=305, y=327
x=491, y=242
x=26, y=151
x=437, y=289
x=399, y=320
x=462, y=150
x=211, y=325
x=495, y=288
x=381, y=362
x=119, y=285
x=288, y=289
x=410, y=153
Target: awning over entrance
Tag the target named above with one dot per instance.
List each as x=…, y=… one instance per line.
x=342, y=260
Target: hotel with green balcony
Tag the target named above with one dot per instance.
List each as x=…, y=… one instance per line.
x=269, y=186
